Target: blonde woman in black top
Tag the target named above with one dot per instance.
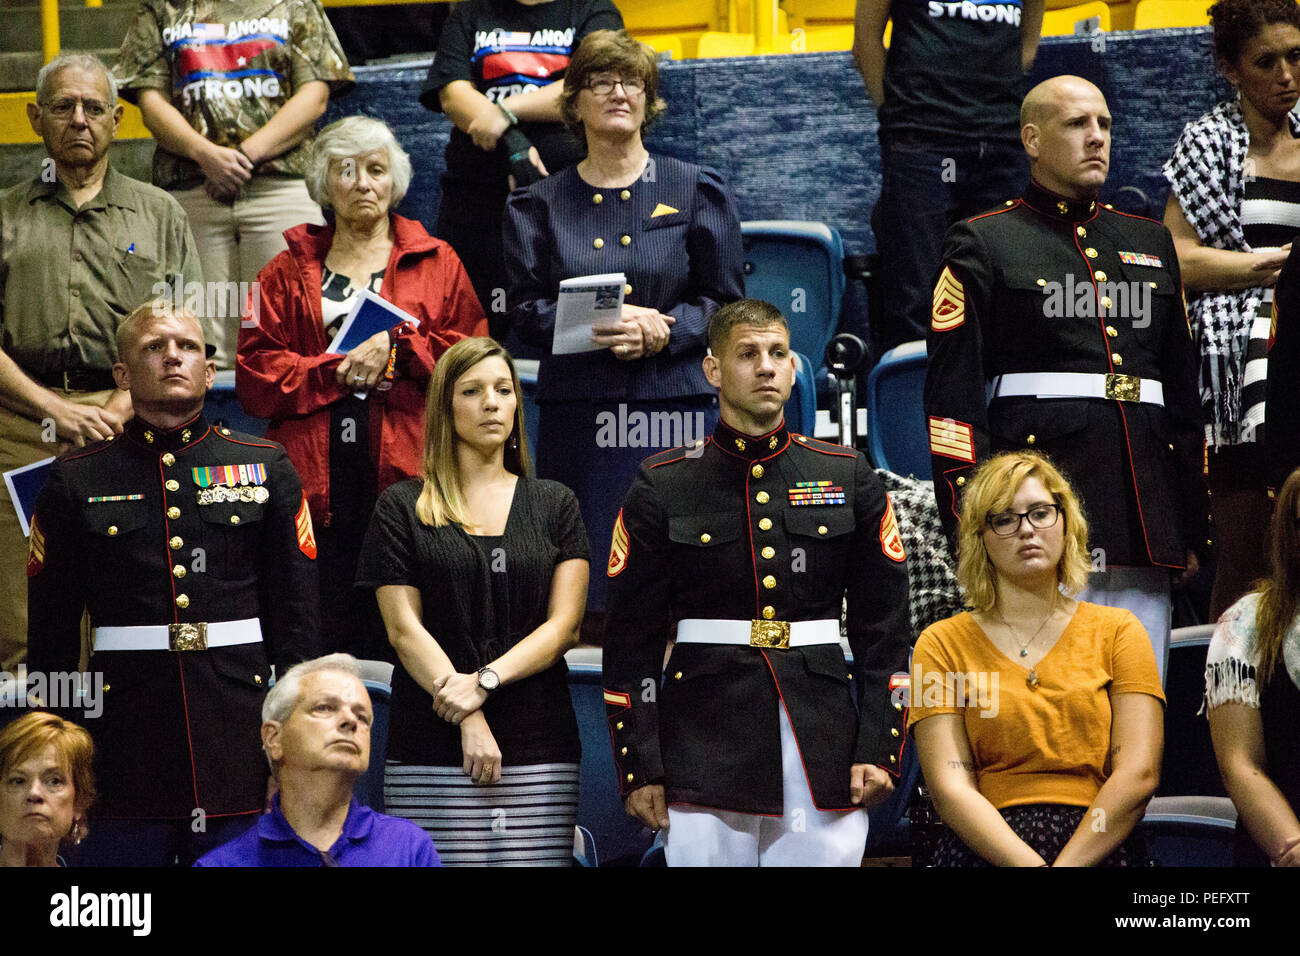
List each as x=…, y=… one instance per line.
x=481, y=576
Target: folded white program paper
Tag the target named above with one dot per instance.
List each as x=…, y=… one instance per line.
x=586, y=304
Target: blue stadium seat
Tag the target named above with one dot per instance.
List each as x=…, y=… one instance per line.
x=378, y=678
x=527, y=369
x=1190, y=831
x=221, y=407
x=584, y=848
x=798, y=266
x=600, y=803
x=897, y=439
x=801, y=409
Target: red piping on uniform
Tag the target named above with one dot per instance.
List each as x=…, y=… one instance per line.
x=87, y=452
x=167, y=534
x=998, y=212
x=797, y=748
x=1137, y=495
x=749, y=526
x=189, y=738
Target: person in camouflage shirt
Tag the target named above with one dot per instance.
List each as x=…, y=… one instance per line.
x=231, y=90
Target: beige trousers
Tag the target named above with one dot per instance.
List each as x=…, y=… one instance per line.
x=22, y=442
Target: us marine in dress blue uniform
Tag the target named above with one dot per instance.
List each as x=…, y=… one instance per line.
x=771, y=533
x=192, y=550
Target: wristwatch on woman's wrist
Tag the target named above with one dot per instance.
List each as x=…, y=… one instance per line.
x=488, y=679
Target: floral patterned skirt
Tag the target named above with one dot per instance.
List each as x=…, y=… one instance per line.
x=1046, y=827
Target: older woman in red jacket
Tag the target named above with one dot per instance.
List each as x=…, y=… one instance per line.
x=352, y=423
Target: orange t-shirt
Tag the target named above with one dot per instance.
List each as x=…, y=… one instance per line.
x=1050, y=744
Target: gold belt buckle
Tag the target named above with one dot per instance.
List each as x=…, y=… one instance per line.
x=1124, y=388
x=773, y=634
x=187, y=637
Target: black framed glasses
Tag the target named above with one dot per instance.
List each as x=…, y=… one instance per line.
x=1041, y=517
x=604, y=85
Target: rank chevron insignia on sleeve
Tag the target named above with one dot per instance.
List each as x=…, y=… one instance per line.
x=948, y=309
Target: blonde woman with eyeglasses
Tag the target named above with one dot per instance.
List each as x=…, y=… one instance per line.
x=1038, y=718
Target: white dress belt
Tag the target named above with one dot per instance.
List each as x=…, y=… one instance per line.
x=1070, y=385
x=694, y=630
x=178, y=637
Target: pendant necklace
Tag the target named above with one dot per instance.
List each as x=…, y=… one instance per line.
x=1032, y=680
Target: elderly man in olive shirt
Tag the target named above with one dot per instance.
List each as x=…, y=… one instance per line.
x=81, y=245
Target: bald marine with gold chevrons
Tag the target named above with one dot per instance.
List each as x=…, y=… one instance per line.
x=1058, y=324
x=768, y=531
x=194, y=554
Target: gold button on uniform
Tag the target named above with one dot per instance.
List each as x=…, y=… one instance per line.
x=627, y=289
x=625, y=194
x=1117, y=358
x=677, y=676
x=112, y=529
x=769, y=612
x=897, y=705
x=626, y=240
x=961, y=480
x=169, y=459
x=619, y=725
x=706, y=538
x=172, y=485
x=225, y=431
x=1105, y=302
x=630, y=778
x=598, y=242
x=769, y=582
x=893, y=731
x=822, y=529
x=765, y=524
x=757, y=471
x=597, y=199
x=1081, y=231
x=1101, y=276
x=769, y=552
x=1042, y=282
x=234, y=519
x=1153, y=285
x=175, y=544
x=1090, y=252
x=1031, y=439
x=178, y=571
x=762, y=497
x=182, y=600
x=623, y=751
x=893, y=759
x=1112, y=331
x=257, y=679
x=173, y=512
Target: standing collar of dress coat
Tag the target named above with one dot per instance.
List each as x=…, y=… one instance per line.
x=750, y=447
x=1042, y=200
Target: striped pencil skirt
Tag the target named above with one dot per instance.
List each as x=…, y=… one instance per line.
x=526, y=819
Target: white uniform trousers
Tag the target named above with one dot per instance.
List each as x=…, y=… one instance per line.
x=802, y=836
x=1145, y=592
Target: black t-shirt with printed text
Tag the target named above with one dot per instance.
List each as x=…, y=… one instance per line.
x=953, y=70
x=504, y=48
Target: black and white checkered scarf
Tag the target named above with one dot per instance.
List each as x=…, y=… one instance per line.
x=1207, y=173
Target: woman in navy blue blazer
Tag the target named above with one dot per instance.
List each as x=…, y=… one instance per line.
x=671, y=227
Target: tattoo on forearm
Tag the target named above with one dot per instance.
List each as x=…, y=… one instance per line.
x=1114, y=750
x=962, y=765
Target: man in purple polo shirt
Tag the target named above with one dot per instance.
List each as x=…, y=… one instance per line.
x=316, y=734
